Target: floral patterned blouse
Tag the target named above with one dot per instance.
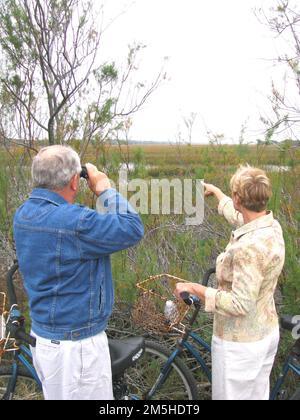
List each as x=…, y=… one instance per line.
x=247, y=274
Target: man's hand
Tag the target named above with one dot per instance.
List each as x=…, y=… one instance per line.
x=97, y=181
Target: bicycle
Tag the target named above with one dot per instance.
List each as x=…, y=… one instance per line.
x=288, y=323
x=292, y=362
x=196, y=347
x=136, y=364
x=157, y=373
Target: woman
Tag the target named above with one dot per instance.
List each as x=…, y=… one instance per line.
x=246, y=329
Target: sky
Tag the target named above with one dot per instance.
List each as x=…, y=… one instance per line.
x=220, y=64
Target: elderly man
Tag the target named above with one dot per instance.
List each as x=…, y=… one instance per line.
x=64, y=251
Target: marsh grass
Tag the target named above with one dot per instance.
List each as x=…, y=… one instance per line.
x=170, y=246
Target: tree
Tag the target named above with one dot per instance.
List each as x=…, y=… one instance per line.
x=284, y=21
x=189, y=122
x=52, y=85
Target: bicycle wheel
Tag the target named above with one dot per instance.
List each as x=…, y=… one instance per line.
x=296, y=396
x=26, y=387
x=140, y=379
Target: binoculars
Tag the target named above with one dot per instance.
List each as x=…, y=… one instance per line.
x=84, y=173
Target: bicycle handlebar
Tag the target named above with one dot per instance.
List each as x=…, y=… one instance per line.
x=21, y=335
x=17, y=332
x=186, y=297
x=194, y=300
x=207, y=275
x=14, y=325
x=189, y=299
x=12, y=298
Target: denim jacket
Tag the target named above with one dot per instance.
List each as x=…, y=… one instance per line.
x=63, y=252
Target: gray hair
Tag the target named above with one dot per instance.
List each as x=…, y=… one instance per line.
x=54, y=166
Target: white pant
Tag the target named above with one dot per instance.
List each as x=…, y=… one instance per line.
x=74, y=370
x=241, y=371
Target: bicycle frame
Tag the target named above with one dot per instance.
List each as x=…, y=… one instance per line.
x=188, y=341
x=183, y=343
x=20, y=358
x=192, y=350
x=290, y=365
x=21, y=355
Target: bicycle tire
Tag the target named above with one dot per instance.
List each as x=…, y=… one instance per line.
x=26, y=387
x=296, y=396
x=179, y=385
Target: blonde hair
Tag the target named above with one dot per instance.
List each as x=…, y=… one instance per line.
x=253, y=187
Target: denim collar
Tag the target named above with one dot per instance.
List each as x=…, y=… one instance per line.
x=47, y=195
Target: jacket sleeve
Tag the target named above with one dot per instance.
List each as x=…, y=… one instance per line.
x=226, y=209
x=118, y=227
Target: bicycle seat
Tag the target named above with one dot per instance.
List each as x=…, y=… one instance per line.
x=124, y=353
x=289, y=322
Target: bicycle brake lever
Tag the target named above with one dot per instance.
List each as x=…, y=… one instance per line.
x=186, y=297
x=190, y=299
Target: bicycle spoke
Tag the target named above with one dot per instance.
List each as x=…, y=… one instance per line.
x=143, y=377
x=26, y=388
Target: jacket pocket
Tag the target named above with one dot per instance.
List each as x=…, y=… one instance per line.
x=49, y=361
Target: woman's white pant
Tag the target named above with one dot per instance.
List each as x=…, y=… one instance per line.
x=74, y=370
x=241, y=371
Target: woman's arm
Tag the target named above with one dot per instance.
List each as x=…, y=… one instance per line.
x=225, y=206
x=247, y=277
x=212, y=190
x=226, y=209
x=247, y=280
